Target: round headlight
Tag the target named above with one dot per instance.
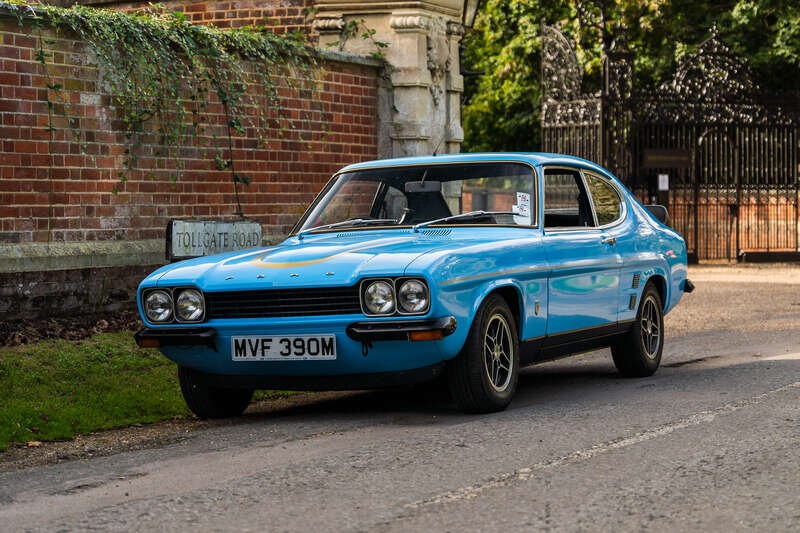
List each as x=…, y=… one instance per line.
x=189, y=306
x=413, y=296
x=379, y=298
x=158, y=306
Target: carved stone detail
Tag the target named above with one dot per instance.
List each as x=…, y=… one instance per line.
x=438, y=58
x=455, y=28
x=409, y=23
x=328, y=25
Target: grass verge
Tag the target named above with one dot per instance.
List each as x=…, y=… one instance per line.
x=56, y=389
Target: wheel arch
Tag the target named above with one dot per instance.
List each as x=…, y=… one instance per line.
x=476, y=379
x=512, y=295
x=513, y=298
x=660, y=283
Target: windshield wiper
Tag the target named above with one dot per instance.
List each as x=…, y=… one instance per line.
x=462, y=216
x=349, y=222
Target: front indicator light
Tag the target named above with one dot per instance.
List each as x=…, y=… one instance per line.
x=148, y=343
x=189, y=306
x=158, y=306
x=412, y=296
x=379, y=298
x=434, y=335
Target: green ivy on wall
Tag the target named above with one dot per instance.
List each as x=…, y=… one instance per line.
x=160, y=71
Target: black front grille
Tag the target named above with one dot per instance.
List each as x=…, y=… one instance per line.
x=283, y=302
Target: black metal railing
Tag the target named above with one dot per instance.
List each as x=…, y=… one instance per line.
x=731, y=153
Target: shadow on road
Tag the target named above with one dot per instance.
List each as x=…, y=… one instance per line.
x=543, y=385
x=538, y=383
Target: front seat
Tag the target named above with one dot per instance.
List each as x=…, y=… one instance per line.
x=424, y=206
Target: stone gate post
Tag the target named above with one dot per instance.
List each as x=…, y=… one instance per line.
x=421, y=110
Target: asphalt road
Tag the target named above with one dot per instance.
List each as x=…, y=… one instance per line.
x=711, y=442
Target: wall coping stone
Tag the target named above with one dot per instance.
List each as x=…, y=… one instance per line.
x=42, y=256
x=344, y=57
x=38, y=257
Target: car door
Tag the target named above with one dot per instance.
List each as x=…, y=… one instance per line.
x=612, y=219
x=583, y=284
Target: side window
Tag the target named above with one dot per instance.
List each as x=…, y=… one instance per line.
x=566, y=204
x=606, y=200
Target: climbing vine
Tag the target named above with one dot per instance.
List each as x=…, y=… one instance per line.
x=51, y=86
x=358, y=29
x=160, y=70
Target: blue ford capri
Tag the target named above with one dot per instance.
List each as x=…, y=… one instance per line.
x=402, y=270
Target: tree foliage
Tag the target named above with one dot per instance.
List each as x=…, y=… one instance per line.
x=503, y=102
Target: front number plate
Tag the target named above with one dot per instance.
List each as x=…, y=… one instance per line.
x=278, y=348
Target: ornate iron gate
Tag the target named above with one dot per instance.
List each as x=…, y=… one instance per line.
x=728, y=154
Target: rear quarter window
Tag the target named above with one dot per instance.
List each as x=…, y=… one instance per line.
x=605, y=199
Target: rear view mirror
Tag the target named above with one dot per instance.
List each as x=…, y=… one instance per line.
x=660, y=212
x=423, y=186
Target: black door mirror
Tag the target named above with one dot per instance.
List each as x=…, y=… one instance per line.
x=660, y=212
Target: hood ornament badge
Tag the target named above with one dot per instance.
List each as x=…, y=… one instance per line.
x=330, y=273
x=294, y=275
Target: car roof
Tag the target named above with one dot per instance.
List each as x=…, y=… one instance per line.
x=532, y=158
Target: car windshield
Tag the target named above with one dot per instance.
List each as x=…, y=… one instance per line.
x=485, y=193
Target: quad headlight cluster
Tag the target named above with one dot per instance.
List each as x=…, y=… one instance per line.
x=404, y=296
x=174, y=305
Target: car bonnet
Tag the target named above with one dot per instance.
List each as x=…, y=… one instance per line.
x=318, y=261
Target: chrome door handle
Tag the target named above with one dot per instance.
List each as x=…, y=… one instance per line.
x=611, y=241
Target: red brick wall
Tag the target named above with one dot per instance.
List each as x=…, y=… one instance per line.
x=281, y=16
x=62, y=190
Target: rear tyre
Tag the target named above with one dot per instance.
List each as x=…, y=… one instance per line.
x=483, y=377
x=638, y=353
x=211, y=402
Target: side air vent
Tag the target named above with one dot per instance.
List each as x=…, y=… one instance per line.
x=632, y=302
x=636, y=279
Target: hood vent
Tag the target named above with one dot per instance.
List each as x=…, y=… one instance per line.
x=444, y=232
x=357, y=235
x=349, y=235
x=436, y=232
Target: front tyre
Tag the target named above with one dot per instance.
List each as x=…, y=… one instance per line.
x=483, y=377
x=211, y=402
x=638, y=353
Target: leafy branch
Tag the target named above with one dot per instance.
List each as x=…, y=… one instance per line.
x=357, y=29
